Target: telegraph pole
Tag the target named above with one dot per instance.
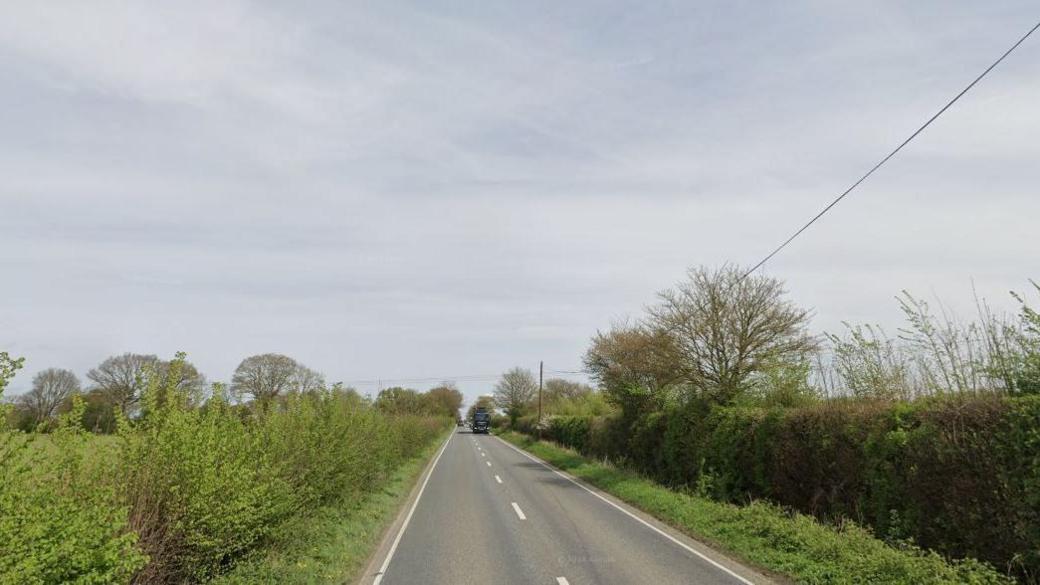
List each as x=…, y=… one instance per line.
x=541, y=370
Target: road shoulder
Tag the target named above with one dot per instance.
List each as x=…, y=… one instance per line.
x=392, y=530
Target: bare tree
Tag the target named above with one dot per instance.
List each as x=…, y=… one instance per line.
x=122, y=379
x=727, y=327
x=305, y=379
x=50, y=388
x=514, y=392
x=264, y=377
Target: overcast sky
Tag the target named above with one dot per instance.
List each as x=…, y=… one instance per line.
x=390, y=190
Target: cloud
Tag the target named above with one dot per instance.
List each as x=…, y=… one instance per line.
x=415, y=189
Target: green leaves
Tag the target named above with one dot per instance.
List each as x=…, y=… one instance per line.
x=182, y=492
x=958, y=474
x=792, y=544
x=8, y=367
x=61, y=520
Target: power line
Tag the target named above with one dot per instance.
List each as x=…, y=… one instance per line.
x=582, y=372
x=466, y=378
x=890, y=155
x=436, y=379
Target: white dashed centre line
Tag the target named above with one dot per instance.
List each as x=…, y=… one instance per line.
x=498, y=479
x=518, y=511
x=489, y=464
x=563, y=581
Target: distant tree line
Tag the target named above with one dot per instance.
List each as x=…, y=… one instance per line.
x=442, y=400
x=516, y=395
x=118, y=385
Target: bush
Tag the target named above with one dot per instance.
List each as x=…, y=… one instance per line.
x=794, y=545
x=201, y=488
x=180, y=494
x=61, y=517
x=205, y=485
x=958, y=475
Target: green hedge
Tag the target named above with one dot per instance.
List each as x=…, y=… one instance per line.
x=183, y=493
x=957, y=475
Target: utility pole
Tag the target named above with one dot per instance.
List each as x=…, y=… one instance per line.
x=541, y=370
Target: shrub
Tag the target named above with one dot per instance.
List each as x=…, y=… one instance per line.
x=792, y=544
x=958, y=475
x=181, y=493
x=201, y=490
x=61, y=517
x=206, y=485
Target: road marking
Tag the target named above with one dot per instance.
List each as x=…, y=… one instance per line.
x=681, y=544
x=498, y=479
x=563, y=581
x=408, y=518
x=489, y=464
x=483, y=454
x=518, y=511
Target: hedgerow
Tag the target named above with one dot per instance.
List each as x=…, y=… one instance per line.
x=181, y=493
x=791, y=544
x=959, y=475
x=61, y=515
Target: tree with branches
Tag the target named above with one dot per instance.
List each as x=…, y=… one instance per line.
x=726, y=327
x=305, y=379
x=50, y=389
x=514, y=392
x=445, y=399
x=121, y=379
x=264, y=377
x=635, y=365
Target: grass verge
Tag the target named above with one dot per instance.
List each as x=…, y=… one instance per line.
x=788, y=544
x=332, y=544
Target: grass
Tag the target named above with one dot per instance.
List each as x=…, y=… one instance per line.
x=792, y=545
x=334, y=543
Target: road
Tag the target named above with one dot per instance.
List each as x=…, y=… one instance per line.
x=489, y=513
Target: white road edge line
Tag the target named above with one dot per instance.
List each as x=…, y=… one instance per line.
x=518, y=511
x=676, y=541
x=562, y=581
x=498, y=479
x=408, y=518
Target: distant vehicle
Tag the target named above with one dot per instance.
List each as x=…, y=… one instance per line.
x=481, y=421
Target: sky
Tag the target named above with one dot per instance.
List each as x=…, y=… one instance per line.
x=410, y=190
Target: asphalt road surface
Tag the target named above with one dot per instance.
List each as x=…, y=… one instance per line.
x=490, y=513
